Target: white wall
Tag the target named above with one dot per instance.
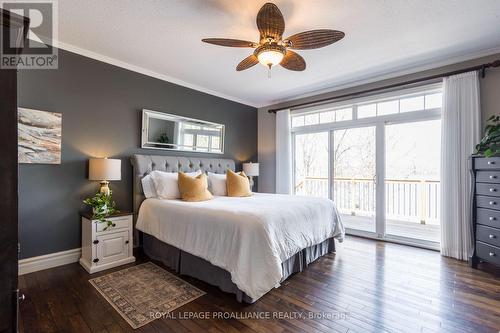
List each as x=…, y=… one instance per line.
x=266, y=148
x=490, y=105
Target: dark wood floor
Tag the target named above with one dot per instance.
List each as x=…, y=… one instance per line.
x=366, y=286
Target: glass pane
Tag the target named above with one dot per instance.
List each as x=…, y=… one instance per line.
x=412, y=183
x=327, y=117
x=412, y=104
x=354, y=174
x=343, y=114
x=311, y=119
x=188, y=140
x=215, y=142
x=297, y=121
x=433, y=101
x=202, y=141
x=311, y=164
x=390, y=107
x=369, y=110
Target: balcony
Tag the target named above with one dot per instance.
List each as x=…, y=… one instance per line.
x=412, y=207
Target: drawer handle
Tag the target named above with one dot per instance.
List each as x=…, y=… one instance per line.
x=491, y=162
x=493, y=203
x=493, y=236
x=492, y=254
x=493, y=189
x=114, y=224
x=492, y=218
x=493, y=177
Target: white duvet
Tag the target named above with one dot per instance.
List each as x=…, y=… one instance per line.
x=249, y=237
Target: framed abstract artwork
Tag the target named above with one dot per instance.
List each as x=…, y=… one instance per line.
x=39, y=136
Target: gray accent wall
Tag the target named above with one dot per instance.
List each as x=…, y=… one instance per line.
x=101, y=117
x=490, y=105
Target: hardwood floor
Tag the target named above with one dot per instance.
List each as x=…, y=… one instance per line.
x=367, y=286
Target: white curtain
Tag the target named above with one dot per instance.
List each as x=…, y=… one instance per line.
x=283, y=152
x=460, y=133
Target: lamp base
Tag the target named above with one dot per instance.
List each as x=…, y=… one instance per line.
x=250, y=180
x=104, y=189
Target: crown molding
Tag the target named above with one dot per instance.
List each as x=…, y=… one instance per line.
x=385, y=75
x=144, y=71
x=329, y=88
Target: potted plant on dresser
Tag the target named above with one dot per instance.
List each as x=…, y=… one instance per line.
x=485, y=196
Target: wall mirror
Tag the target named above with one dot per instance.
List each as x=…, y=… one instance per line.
x=171, y=132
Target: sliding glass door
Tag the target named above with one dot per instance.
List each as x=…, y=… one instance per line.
x=354, y=174
x=378, y=160
x=412, y=180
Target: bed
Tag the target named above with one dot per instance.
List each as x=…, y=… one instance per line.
x=245, y=246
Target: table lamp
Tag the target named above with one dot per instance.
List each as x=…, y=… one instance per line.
x=104, y=170
x=251, y=170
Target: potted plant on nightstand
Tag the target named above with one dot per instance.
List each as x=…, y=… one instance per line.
x=490, y=143
x=102, y=206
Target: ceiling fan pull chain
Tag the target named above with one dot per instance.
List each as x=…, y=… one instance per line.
x=269, y=71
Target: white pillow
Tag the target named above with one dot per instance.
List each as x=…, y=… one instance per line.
x=217, y=183
x=167, y=184
x=148, y=187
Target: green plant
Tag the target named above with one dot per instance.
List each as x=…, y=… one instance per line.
x=102, y=207
x=490, y=143
x=163, y=138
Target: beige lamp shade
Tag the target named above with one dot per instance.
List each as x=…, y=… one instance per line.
x=105, y=169
x=251, y=169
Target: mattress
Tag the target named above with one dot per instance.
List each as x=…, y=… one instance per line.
x=248, y=237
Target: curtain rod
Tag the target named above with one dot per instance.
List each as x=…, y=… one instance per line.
x=482, y=68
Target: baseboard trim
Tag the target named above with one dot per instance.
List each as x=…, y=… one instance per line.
x=50, y=260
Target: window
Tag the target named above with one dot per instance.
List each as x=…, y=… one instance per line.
x=378, y=158
x=203, y=138
x=402, y=103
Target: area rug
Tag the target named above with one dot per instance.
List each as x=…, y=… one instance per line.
x=141, y=292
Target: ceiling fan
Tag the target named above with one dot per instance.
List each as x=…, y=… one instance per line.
x=272, y=49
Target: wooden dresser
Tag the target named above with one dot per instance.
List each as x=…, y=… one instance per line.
x=485, y=200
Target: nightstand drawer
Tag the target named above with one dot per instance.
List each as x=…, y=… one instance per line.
x=488, y=177
x=488, y=235
x=488, y=202
x=488, y=217
x=488, y=252
x=485, y=163
x=118, y=223
x=488, y=189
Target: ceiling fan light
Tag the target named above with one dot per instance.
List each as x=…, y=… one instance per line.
x=270, y=57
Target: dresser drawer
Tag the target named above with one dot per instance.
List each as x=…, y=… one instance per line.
x=488, y=252
x=485, y=163
x=488, y=177
x=488, y=217
x=118, y=223
x=488, y=189
x=488, y=202
x=488, y=235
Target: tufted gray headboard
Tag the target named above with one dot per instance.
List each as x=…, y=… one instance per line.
x=144, y=164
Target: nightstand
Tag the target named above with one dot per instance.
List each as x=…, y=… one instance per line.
x=104, y=248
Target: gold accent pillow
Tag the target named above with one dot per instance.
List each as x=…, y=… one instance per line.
x=194, y=188
x=237, y=184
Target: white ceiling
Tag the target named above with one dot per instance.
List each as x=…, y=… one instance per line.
x=162, y=39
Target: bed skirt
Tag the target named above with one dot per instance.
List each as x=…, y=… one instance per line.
x=190, y=265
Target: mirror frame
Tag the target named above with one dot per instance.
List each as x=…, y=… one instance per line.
x=146, y=144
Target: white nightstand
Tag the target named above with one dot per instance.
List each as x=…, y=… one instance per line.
x=103, y=249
